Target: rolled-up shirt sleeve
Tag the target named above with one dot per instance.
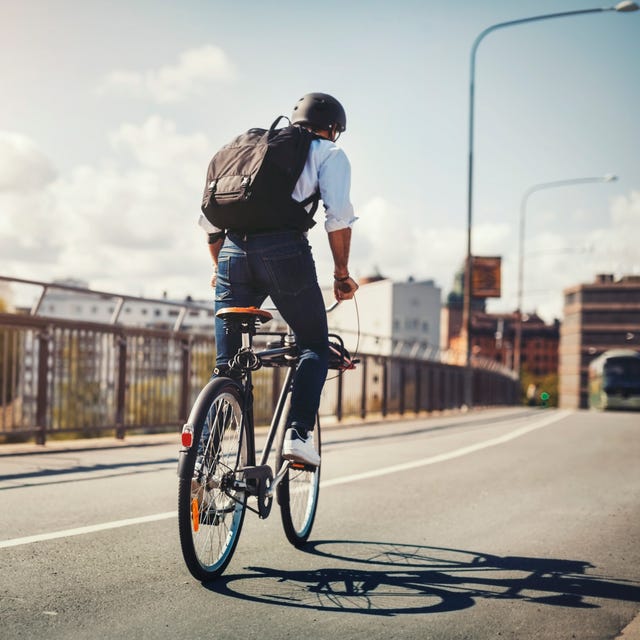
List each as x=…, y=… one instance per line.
x=334, y=180
x=207, y=226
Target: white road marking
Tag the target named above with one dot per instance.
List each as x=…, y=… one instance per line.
x=68, y=533
x=456, y=453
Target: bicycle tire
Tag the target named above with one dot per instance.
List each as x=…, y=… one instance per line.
x=210, y=512
x=298, y=493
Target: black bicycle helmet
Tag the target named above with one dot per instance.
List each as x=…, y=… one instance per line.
x=319, y=111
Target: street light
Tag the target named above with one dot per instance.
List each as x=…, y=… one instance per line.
x=517, y=351
x=621, y=7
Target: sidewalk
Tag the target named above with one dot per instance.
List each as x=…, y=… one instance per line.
x=147, y=440
x=88, y=444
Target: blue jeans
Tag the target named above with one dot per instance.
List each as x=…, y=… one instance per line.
x=278, y=264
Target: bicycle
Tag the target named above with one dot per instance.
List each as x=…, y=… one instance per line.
x=217, y=467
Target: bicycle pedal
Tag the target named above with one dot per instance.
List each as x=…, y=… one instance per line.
x=301, y=466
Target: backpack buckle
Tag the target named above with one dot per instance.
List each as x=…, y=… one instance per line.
x=245, y=185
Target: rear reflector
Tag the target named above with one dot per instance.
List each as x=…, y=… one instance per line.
x=187, y=436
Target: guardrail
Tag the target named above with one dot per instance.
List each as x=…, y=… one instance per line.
x=85, y=379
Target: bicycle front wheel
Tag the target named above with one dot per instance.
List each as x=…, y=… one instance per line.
x=298, y=493
x=211, y=507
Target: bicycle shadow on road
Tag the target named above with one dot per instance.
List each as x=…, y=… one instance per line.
x=408, y=579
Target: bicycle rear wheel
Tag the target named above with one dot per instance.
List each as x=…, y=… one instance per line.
x=298, y=493
x=210, y=506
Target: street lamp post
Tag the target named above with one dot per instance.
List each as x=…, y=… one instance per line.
x=517, y=352
x=621, y=7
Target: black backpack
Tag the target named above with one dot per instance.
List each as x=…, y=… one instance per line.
x=251, y=179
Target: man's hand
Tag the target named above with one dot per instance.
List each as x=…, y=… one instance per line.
x=214, y=276
x=344, y=289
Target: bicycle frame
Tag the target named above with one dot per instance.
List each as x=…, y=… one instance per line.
x=247, y=393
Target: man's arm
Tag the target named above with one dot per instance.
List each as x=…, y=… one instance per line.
x=215, y=244
x=344, y=286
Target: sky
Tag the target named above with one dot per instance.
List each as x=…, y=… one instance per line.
x=111, y=110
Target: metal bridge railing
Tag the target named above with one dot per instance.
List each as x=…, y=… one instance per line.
x=66, y=377
x=60, y=376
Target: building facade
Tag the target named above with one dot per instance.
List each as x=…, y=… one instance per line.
x=391, y=318
x=493, y=335
x=493, y=338
x=599, y=316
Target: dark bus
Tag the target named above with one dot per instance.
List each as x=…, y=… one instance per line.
x=614, y=380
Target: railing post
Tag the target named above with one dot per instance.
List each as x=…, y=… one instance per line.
x=385, y=393
x=437, y=389
x=448, y=389
x=185, y=377
x=418, y=388
x=42, y=394
x=121, y=385
x=402, y=380
x=429, y=381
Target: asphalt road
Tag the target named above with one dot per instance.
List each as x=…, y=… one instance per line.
x=513, y=523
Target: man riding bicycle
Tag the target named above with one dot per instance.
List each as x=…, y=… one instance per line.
x=249, y=267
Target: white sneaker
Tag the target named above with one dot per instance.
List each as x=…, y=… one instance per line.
x=299, y=449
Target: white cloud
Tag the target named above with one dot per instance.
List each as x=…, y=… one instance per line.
x=121, y=225
x=194, y=71
x=555, y=261
x=156, y=143
x=23, y=166
x=616, y=248
x=128, y=224
x=398, y=245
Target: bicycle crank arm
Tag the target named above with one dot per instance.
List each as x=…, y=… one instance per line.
x=278, y=479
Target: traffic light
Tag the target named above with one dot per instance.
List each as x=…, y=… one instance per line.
x=544, y=396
